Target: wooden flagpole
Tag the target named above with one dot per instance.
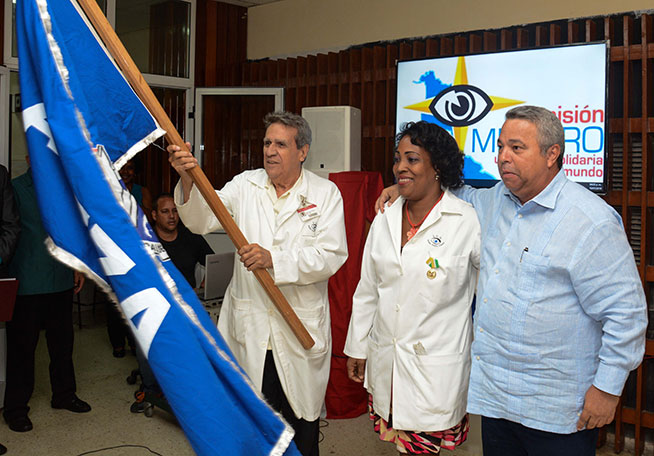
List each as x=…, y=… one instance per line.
x=142, y=89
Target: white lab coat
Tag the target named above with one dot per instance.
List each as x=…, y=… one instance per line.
x=305, y=254
x=416, y=332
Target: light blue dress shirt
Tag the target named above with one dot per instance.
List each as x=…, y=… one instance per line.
x=560, y=305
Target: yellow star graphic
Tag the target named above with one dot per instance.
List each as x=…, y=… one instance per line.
x=460, y=78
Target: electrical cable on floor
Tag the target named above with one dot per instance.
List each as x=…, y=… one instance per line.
x=120, y=446
x=322, y=424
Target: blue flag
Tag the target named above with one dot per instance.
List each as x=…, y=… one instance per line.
x=82, y=122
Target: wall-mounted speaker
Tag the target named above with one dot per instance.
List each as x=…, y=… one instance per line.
x=336, y=139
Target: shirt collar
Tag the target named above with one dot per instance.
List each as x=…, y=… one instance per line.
x=547, y=197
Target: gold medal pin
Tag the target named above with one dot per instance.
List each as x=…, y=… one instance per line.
x=433, y=265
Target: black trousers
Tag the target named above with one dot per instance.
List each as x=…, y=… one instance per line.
x=506, y=438
x=117, y=327
x=54, y=313
x=306, y=432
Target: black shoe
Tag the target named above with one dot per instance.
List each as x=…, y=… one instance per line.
x=20, y=423
x=74, y=404
x=119, y=352
x=3, y=449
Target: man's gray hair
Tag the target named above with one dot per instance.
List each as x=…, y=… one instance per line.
x=550, y=130
x=303, y=136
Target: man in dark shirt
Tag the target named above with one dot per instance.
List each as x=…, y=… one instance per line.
x=185, y=249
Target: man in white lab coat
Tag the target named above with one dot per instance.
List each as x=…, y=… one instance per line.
x=295, y=221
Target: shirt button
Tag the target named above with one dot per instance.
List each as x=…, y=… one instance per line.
x=263, y=344
x=519, y=215
x=477, y=358
x=481, y=330
x=508, y=243
x=497, y=271
x=397, y=308
x=485, y=299
x=394, y=340
x=270, y=312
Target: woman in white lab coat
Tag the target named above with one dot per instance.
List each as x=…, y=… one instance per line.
x=410, y=331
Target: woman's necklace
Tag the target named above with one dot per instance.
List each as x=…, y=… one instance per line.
x=414, y=227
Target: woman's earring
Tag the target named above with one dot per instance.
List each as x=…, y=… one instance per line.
x=435, y=176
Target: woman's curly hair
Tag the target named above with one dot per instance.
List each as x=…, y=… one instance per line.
x=443, y=150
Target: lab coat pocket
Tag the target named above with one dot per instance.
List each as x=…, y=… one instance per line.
x=314, y=321
x=240, y=317
x=440, y=382
x=449, y=281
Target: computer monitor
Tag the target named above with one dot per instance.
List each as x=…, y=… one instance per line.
x=218, y=273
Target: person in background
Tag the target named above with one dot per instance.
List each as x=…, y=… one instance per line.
x=117, y=329
x=411, y=327
x=296, y=223
x=9, y=232
x=140, y=193
x=186, y=250
x=561, y=313
x=45, y=300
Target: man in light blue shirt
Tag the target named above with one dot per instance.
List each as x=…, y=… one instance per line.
x=561, y=314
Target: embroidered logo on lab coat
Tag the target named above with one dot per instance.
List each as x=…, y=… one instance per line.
x=436, y=241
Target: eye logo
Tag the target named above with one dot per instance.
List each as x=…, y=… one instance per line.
x=461, y=105
x=458, y=105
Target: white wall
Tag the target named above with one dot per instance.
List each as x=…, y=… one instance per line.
x=300, y=27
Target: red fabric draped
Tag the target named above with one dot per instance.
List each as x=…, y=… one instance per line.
x=359, y=189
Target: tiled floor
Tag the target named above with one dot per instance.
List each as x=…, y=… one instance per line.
x=101, y=382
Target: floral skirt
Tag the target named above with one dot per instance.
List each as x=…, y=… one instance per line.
x=409, y=442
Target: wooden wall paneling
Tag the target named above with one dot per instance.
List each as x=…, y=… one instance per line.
x=574, y=33
x=379, y=113
x=322, y=81
x=418, y=49
x=521, y=38
x=254, y=77
x=333, y=79
x=626, y=29
x=556, y=35
x=379, y=81
x=592, y=30
x=447, y=46
x=272, y=74
x=506, y=39
x=311, y=82
x=367, y=106
x=221, y=24
x=301, y=78
x=541, y=36
x=619, y=426
x=460, y=44
x=344, y=79
x=221, y=32
x=490, y=41
x=245, y=74
x=290, y=92
x=432, y=47
x=646, y=172
x=354, y=96
x=405, y=50
x=392, y=52
x=475, y=43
